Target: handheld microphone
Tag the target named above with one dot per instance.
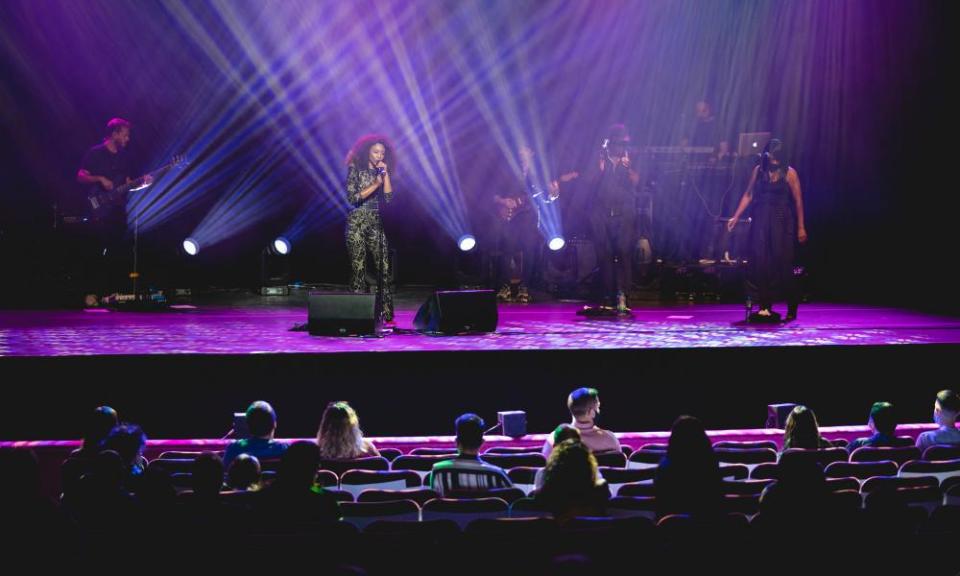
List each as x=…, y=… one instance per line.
x=604, y=151
x=747, y=220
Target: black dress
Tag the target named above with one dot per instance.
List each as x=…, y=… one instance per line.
x=772, y=236
x=613, y=223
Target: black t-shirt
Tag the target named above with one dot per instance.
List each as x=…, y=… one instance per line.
x=705, y=133
x=100, y=161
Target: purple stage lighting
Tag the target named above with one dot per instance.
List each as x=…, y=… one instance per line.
x=467, y=242
x=191, y=247
x=281, y=246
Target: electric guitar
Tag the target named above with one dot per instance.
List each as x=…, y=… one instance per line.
x=522, y=203
x=98, y=197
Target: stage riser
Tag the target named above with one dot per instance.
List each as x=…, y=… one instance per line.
x=420, y=393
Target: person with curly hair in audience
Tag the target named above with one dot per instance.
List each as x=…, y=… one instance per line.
x=340, y=436
x=560, y=434
x=572, y=485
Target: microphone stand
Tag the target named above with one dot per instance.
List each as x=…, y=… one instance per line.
x=611, y=166
x=382, y=255
x=624, y=173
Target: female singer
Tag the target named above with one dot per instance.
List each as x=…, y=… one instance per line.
x=774, y=190
x=368, y=182
x=613, y=217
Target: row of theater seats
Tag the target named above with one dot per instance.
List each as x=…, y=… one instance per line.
x=922, y=499
x=368, y=495
x=755, y=461
x=389, y=505
x=922, y=483
x=443, y=536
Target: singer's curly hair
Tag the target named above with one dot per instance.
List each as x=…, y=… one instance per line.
x=360, y=151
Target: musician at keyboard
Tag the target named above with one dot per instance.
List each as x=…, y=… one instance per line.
x=706, y=130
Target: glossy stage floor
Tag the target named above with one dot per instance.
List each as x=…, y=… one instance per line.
x=226, y=351
x=270, y=329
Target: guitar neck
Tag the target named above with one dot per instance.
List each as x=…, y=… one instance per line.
x=120, y=189
x=139, y=181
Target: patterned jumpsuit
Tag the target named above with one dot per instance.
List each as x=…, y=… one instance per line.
x=364, y=234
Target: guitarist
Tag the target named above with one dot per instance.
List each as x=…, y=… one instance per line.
x=104, y=167
x=107, y=164
x=516, y=226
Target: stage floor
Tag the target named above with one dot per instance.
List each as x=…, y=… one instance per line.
x=258, y=326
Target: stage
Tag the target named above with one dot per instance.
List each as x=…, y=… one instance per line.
x=213, y=357
x=269, y=326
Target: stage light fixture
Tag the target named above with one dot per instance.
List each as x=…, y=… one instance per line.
x=467, y=242
x=281, y=246
x=191, y=246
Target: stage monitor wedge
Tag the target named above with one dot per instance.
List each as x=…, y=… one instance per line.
x=343, y=314
x=458, y=312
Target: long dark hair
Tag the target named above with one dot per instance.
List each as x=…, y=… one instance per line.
x=360, y=151
x=774, y=149
x=801, y=429
x=689, y=444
